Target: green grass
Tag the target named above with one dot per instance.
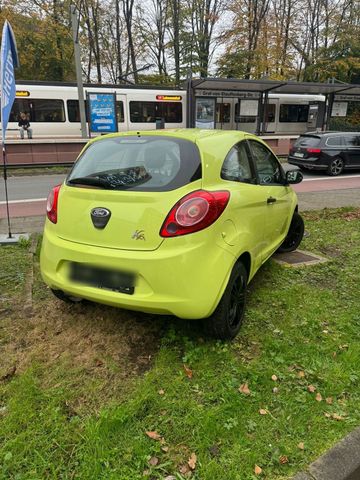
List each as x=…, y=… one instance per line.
x=84, y=414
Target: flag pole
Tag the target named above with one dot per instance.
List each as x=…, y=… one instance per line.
x=6, y=190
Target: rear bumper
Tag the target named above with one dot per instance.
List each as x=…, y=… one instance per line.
x=180, y=278
x=312, y=163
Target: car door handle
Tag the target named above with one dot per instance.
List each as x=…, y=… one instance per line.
x=271, y=200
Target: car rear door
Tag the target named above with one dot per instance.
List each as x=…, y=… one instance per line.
x=278, y=198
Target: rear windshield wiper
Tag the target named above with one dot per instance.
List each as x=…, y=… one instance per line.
x=93, y=181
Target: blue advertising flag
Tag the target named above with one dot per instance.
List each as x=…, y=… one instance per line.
x=9, y=61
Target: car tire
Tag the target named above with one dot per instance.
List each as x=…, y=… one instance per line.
x=66, y=298
x=294, y=236
x=335, y=167
x=225, y=322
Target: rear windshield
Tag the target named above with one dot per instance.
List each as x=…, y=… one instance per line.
x=307, y=141
x=142, y=163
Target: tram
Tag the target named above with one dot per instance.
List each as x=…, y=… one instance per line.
x=53, y=110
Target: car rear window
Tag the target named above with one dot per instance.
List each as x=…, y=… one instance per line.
x=142, y=163
x=307, y=141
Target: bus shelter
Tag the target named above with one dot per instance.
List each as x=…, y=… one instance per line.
x=228, y=103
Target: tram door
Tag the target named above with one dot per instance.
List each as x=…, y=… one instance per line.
x=224, y=114
x=122, y=113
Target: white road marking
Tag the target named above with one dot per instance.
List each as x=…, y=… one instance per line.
x=330, y=178
x=25, y=200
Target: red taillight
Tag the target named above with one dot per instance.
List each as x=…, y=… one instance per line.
x=52, y=204
x=313, y=150
x=194, y=212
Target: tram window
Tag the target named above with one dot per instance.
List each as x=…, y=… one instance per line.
x=73, y=110
x=243, y=118
x=171, y=111
x=147, y=112
x=47, y=110
x=223, y=113
x=19, y=105
x=294, y=113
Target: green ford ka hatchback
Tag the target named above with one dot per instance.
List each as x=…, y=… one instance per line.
x=170, y=222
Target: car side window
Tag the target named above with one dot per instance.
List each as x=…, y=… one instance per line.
x=352, y=141
x=333, y=141
x=267, y=166
x=237, y=165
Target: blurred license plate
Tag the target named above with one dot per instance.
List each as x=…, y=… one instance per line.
x=98, y=277
x=298, y=154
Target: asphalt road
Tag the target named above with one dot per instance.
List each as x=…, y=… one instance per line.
x=38, y=187
x=29, y=187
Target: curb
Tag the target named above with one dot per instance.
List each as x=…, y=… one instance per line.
x=342, y=462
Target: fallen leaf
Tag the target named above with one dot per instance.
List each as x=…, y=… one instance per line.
x=335, y=416
x=192, y=461
x=327, y=415
x=184, y=469
x=153, y=461
x=283, y=459
x=161, y=392
x=257, y=470
x=274, y=378
x=146, y=472
x=99, y=363
x=188, y=372
x=244, y=388
x=275, y=390
x=165, y=449
x=301, y=374
x=329, y=400
x=262, y=411
x=153, y=435
x=170, y=477
x=311, y=388
x=318, y=397
x=301, y=445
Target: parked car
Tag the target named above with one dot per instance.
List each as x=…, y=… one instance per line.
x=170, y=222
x=330, y=151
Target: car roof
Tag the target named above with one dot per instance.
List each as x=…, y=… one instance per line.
x=327, y=134
x=191, y=134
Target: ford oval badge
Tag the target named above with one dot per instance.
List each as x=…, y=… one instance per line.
x=100, y=217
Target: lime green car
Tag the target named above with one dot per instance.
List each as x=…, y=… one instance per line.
x=170, y=222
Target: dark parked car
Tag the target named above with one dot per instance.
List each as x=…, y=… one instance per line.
x=330, y=151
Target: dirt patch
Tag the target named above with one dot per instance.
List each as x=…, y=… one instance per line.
x=82, y=344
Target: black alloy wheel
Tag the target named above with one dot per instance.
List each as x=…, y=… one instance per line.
x=336, y=167
x=227, y=319
x=294, y=235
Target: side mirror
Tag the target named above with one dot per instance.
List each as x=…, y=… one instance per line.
x=294, y=176
x=292, y=173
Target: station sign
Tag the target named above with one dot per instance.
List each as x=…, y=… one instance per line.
x=227, y=93
x=169, y=98
x=102, y=112
x=347, y=98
